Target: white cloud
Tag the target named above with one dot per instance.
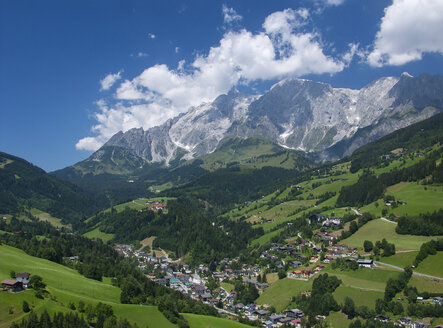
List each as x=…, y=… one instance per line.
x=142, y=54
x=280, y=50
x=408, y=29
x=230, y=15
x=152, y=35
x=334, y=2
x=177, y=50
x=109, y=81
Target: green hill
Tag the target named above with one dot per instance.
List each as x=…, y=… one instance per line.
x=24, y=186
x=65, y=285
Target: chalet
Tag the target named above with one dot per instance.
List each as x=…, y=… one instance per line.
x=294, y=313
x=239, y=306
x=276, y=317
x=156, y=207
x=199, y=289
x=316, y=218
x=420, y=324
x=12, y=285
x=404, y=321
x=365, y=263
x=23, y=278
x=383, y=318
x=261, y=313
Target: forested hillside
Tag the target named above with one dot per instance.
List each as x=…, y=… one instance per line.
x=24, y=186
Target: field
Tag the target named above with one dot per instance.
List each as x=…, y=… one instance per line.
x=200, y=321
x=364, y=279
x=43, y=216
x=432, y=265
x=426, y=284
x=400, y=259
x=227, y=286
x=378, y=229
x=66, y=285
x=338, y=320
x=139, y=204
x=360, y=297
x=266, y=238
x=280, y=293
x=96, y=233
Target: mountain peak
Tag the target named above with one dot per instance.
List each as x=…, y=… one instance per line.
x=294, y=113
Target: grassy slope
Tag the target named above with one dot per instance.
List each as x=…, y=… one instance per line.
x=67, y=285
x=338, y=320
x=43, y=216
x=400, y=259
x=360, y=297
x=426, y=284
x=364, y=278
x=200, y=321
x=378, y=229
x=432, y=265
x=96, y=233
x=280, y=293
x=418, y=198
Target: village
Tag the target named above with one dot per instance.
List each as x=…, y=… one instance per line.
x=206, y=282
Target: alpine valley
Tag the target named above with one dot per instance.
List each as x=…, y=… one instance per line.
x=301, y=116
x=307, y=206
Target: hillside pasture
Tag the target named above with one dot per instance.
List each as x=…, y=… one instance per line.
x=201, y=321
x=96, y=233
x=66, y=285
x=378, y=229
x=280, y=293
x=432, y=265
x=43, y=216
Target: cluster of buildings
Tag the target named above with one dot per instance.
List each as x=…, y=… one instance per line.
x=20, y=283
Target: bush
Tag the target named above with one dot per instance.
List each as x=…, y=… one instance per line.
x=25, y=307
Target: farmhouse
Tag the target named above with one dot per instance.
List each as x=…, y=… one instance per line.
x=12, y=285
x=365, y=263
x=156, y=207
x=23, y=278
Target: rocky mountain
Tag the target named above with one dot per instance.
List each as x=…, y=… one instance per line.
x=298, y=114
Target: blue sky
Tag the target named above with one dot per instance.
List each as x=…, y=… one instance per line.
x=73, y=73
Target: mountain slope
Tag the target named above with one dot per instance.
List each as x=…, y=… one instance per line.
x=25, y=186
x=295, y=113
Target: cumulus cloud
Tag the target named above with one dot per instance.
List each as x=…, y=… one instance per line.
x=408, y=29
x=280, y=50
x=109, y=81
x=151, y=35
x=230, y=15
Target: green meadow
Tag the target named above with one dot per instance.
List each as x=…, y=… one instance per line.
x=280, y=293
x=43, y=216
x=139, y=203
x=432, y=265
x=419, y=199
x=338, y=320
x=96, y=233
x=364, y=279
x=378, y=229
x=400, y=259
x=200, y=321
x=426, y=284
x=66, y=285
x=360, y=297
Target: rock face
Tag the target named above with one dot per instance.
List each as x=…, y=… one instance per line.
x=295, y=113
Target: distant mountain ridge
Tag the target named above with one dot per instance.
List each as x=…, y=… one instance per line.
x=24, y=186
x=326, y=122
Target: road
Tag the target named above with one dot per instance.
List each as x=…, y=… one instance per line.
x=384, y=219
x=414, y=273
